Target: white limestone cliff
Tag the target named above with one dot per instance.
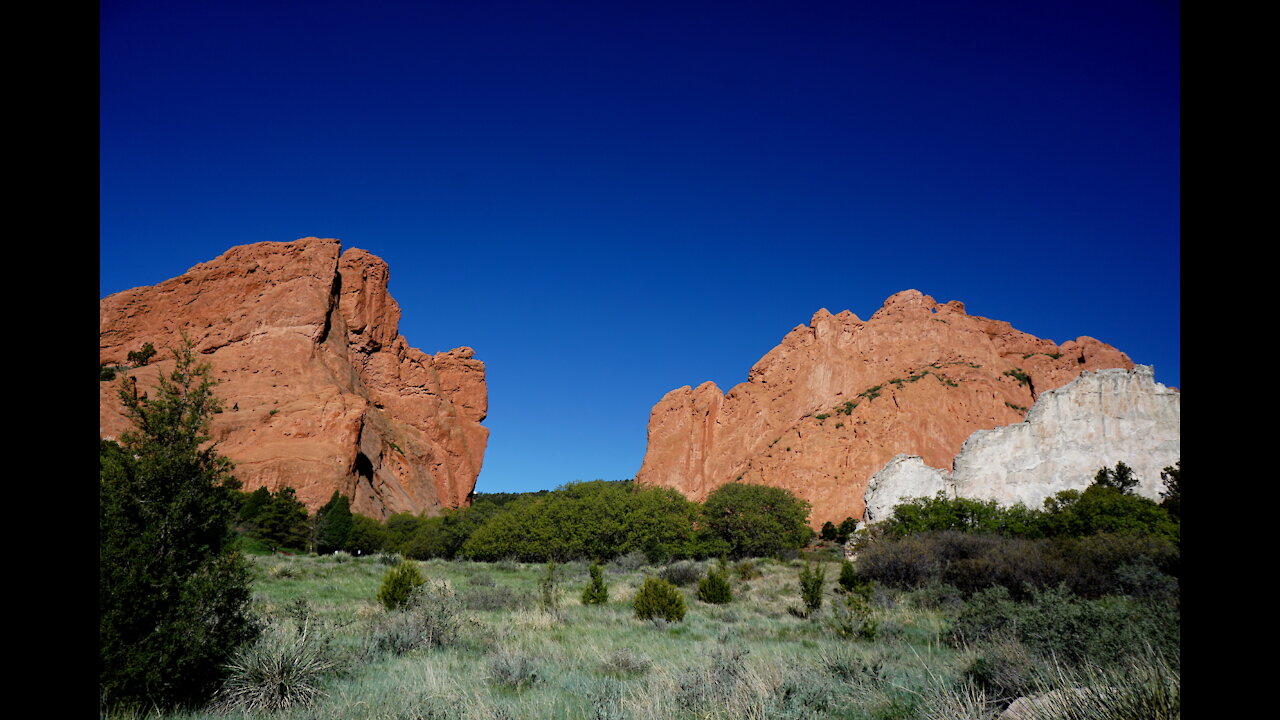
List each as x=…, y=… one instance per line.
x=1098, y=419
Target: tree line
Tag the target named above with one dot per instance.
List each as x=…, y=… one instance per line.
x=585, y=520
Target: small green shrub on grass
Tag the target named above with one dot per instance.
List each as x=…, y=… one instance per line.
x=811, y=580
x=596, y=592
x=549, y=590
x=747, y=570
x=715, y=588
x=432, y=617
x=398, y=585
x=660, y=599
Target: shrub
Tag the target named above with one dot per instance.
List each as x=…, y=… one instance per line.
x=142, y=356
x=596, y=592
x=432, y=617
x=629, y=562
x=747, y=570
x=1004, y=668
x=549, y=591
x=493, y=598
x=721, y=685
x=1102, y=509
x=1056, y=623
x=714, y=588
x=513, y=669
x=849, y=579
x=283, y=669
x=964, y=515
x=681, y=573
x=852, y=617
x=660, y=599
x=625, y=662
x=398, y=585
x=845, y=529
x=811, y=579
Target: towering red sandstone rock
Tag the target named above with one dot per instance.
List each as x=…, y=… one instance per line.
x=839, y=397
x=319, y=390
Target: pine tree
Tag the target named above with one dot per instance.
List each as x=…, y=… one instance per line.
x=596, y=592
x=333, y=524
x=1121, y=478
x=173, y=596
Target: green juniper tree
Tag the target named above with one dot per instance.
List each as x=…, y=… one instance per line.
x=333, y=524
x=173, y=596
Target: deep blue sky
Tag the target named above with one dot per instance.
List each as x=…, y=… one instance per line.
x=609, y=200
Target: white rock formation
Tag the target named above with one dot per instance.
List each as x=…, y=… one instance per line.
x=1098, y=419
x=901, y=479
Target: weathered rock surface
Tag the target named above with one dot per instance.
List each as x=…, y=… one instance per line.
x=319, y=390
x=1095, y=421
x=922, y=377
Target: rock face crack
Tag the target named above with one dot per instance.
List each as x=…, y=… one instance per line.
x=310, y=331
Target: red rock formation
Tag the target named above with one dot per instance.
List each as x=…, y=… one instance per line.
x=319, y=389
x=922, y=377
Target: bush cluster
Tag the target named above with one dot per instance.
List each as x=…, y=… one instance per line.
x=1104, y=507
x=1057, y=623
x=398, y=585
x=1090, y=566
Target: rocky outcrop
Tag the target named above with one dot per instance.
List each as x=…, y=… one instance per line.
x=1095, y=421
x=319, y=390
x=840, y=397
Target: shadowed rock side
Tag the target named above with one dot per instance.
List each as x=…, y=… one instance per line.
x=319, y=390
x=917, y=378
x=1095, y=421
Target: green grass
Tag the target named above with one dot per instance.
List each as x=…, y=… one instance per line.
x=749, y=658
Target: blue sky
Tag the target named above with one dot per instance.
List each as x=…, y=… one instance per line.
x=611, y=200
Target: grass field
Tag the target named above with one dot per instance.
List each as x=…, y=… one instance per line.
x=501, y=655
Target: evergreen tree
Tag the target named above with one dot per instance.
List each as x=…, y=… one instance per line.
x=1172, y=493
x=1121, y=478
x=282, y=522
x=829, y=531
x=173, y=596
x=845, y=529
x=596, y=592
x=333, y=524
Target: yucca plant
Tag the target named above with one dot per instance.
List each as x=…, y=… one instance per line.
x=283, y=669
x=1146, y=687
